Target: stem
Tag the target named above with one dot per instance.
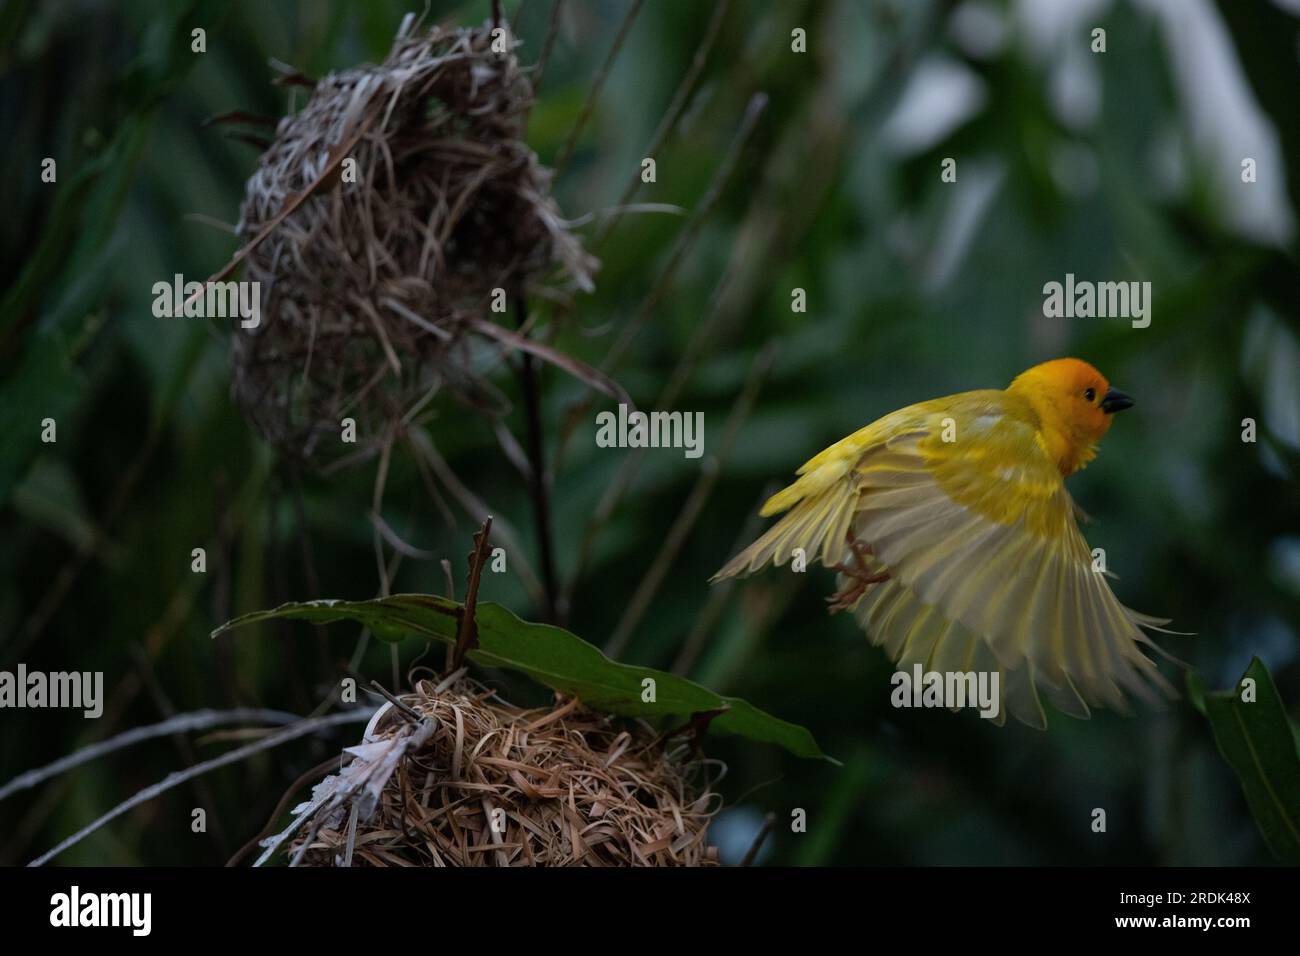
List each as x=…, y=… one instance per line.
x=768, y=823
x=467, y=632
x=538, y=481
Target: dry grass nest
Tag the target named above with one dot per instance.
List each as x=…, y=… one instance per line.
x=370, y=288
x=453, y=776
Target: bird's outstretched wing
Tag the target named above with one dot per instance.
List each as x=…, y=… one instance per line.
x=988, y=570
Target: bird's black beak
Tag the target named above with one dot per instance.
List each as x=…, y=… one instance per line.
x=1115, y=401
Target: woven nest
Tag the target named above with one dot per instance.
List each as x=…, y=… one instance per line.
x=456, y=777
x=369, y=288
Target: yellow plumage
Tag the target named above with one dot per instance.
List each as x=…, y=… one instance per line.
x=969, y=552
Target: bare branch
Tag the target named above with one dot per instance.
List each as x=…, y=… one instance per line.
x=690, y=512
x=670, y=117
x=467, y=636
x=181, y=723
x=173, y=780
x=566, y=151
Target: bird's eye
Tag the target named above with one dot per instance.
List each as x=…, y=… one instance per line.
x=1090, y=394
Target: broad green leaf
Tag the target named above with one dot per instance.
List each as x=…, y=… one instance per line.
x=553, y=657
x=1256, y=738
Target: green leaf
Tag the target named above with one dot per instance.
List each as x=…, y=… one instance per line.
x=1256, y=738
x=553, y=657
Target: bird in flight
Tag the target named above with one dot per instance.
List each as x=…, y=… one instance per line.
x=958, y=546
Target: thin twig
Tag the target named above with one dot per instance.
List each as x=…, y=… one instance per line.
x=309, y=564
x=172, y=780
x=552, y=30
x=402, y=708
x=669, y=120
x=578, y=369
x=450, y=581
x=396, y=542
x=467, y=634
x=509, y=446
x=53, y=599
x=475, y=507
x=667, y=123
x=699, y=496
x=778, y=230
x=539, y=478
x=706, y=621
x=757, y=103
x=128, y=687
x=566, y=151
x=181, y=723
x=385, y=571
x=627, y=472
x=514, y=18
x=769, y=822
x=202, y=790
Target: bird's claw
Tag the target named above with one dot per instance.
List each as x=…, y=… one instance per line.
x=860, y=576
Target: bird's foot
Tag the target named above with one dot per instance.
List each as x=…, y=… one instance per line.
x=859, y=575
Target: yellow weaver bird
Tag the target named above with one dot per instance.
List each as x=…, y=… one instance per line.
x=958, y=546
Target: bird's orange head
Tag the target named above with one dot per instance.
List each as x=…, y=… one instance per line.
x=1074, y=404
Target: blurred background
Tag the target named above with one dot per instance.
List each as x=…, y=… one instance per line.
x=1122, y=165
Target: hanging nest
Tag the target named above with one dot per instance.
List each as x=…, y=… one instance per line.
x=456, y=777
x=370, y=288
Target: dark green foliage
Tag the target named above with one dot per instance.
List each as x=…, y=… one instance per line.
x=904, y=303
x=1259, y=742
